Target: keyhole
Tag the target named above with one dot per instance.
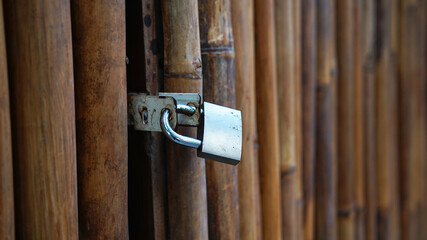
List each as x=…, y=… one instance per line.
x=145, y=115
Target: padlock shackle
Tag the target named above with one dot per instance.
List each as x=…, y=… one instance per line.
x=185, y=109
x=174, y=136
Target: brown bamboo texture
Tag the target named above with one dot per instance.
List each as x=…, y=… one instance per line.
x=333, y=74
x=423, y=86
x=346, y=127
x=183, y=73
x=147, y=162
x=101, y=118
x=151, y=18
x=308, y=58
x=286, y=113
x=411, y=75
x=359, y=164
x=216, y=40
x=38, y=34
x=296, y=5
x=326, y=192
x=386, y=125
x=368, y=58
x=423, y=113
x=249, y=199
x=267, y=119
x=155, y=154
x=7, y=215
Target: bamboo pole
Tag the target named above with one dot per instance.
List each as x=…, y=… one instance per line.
x=151, y=17
x=155, y=153
x=216, y=39
x=346, y=127
x=298, y=119
x=183, y=73
x=333, y=74
x=411, y=66
x=267, y=119
x=334, y=100
x=368, y=45
x=7, y=215
x=38, y=34
x=359, y=95
x=386, y=126
x=101, y=114
x=394, y=29
x=286, y=113
x=423, y=130
x=147, y=161
x=249, y=193
x=308, y=53
x=325, y=227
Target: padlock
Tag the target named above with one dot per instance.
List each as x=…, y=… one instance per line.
x=219, y=134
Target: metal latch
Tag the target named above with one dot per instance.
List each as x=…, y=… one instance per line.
x=219, y=128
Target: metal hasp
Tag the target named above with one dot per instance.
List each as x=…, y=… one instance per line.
x=219, y=128
x=144, y=111
x=186, y=99
x=221, y=134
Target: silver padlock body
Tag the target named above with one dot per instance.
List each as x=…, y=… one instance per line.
x=221, y=134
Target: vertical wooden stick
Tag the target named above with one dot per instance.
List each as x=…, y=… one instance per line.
x=394, y=94
x=249, y=199
x=386, y=126
x=368, y=45
x=147, y=161
x=152, y=45
x=216, y=37
x=7, y=215
x=183, y=73
x=325, y=227
x=286, y=112
x=298, y=118
x=267, y=118
x=359, y=95
x=38, y=34
x=411, y=64
x=101, y=114
x=155, y=153
x=346, y=127
x=333, y=74
x=423, y=130
x=308, y=51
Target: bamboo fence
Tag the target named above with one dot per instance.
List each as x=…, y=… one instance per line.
x=308, y=110
x=147, y=160
x=369, y=136
x=102, y=165
x=186, y=174
x=326, y=164
x=286, y=113
x=217, y=48
x=7, y=215
x=42, y=117
x=296, y=5
x=333, y=96
x=267, y=119
x=248, y=169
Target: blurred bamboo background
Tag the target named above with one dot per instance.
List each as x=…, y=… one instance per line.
x=333, y=95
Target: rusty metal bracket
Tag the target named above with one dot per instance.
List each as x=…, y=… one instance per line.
x=190, y=99
x=144, y=111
